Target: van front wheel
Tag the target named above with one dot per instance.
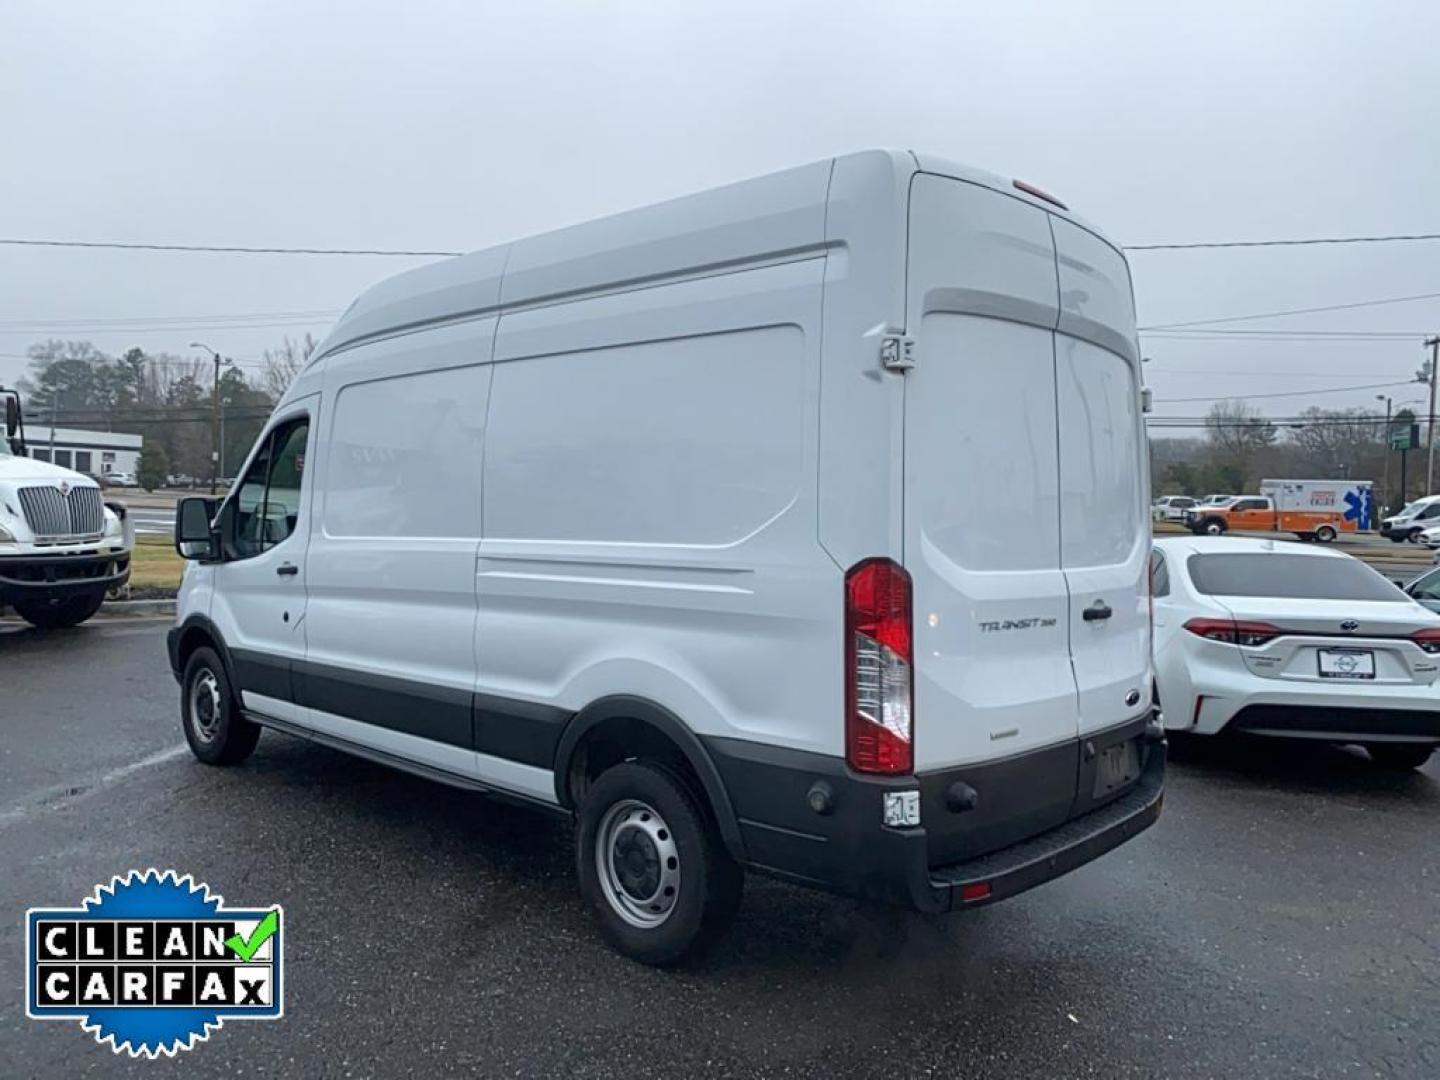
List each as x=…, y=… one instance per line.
x=210, y=715
x=651, y=866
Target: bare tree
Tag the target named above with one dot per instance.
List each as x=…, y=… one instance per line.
x=283, y=363
x=1339, y=442
x=1238, y=434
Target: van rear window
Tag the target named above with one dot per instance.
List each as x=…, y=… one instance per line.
x=1289, y=577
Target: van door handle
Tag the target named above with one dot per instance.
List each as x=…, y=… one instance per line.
x=290, y=570
x=1097, y=611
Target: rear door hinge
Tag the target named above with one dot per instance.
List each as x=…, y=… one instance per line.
x=897, y=352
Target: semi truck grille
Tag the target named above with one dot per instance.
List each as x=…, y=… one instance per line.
x=53, y=516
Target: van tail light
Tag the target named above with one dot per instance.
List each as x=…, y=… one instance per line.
x=1429, y=639
x=879, y=691
x=1234, y=631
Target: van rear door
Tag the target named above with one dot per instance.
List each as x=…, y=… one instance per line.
x=1104, y=536
x=982, y=533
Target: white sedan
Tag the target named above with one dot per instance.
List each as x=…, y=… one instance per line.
x=1277, y=638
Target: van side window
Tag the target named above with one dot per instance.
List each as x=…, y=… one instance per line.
x=267, y=502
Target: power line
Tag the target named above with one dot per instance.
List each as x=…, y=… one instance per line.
x=223, y=249
x=1251, y=374
x=1305, y=242
x=161, y=320
x=294, y=324
x=1295, y=311
x=237, y=249
x=1292, y=393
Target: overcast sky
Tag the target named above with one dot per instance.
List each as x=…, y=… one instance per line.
x=458, y=126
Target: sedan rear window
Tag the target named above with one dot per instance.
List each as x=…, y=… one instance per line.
x=1289, y=577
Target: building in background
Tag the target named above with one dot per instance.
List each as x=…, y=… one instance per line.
x=97, y=453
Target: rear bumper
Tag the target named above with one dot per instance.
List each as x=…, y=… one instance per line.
x=1026, y=826
x=1354, y=724
x=1297, y=708
x=56, y=577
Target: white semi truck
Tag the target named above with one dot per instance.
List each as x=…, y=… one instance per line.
x=62, y=547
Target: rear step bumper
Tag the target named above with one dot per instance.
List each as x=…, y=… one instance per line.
x=1032, y=862
x=806, y=818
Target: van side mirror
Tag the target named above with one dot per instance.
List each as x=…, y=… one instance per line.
x=194, y=536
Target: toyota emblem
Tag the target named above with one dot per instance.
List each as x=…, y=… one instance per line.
x=1349, y=626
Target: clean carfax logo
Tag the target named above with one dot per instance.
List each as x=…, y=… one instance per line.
x=153, y=962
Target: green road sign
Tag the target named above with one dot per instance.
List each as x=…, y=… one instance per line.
x=1405, y=438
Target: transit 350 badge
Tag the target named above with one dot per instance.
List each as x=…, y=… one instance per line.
x=153, y=963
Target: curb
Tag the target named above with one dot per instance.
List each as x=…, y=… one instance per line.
x=162, y=606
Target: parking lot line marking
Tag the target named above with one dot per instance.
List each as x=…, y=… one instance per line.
x=60, y=796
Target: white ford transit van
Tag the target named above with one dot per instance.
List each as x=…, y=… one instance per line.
x=799, y=526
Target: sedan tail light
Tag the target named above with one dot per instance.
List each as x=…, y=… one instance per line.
x=1429, y=639
x=1234, y=631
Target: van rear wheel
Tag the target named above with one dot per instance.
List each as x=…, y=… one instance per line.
x=1325, y=534
x=210, y=713
x=652, y=868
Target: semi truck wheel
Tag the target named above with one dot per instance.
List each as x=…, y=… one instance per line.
x=58, y=614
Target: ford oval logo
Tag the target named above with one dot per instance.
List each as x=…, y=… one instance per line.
x=1349, y=626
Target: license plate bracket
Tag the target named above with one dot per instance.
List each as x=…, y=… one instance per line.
x=1116, y=766
x=1353, y=664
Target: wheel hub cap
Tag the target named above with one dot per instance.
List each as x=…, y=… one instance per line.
x=205, y=708
x=638, y=863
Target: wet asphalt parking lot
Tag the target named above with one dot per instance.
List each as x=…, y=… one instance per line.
x=1282, y=919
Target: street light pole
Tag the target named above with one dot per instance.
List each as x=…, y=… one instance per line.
x=1434, y=345
x=214, y=413
x=1385, y=484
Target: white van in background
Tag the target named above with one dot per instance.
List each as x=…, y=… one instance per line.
x=1412, y=520
x=730, y=527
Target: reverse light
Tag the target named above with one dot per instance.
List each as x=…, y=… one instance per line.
x=1234, y=631
x=1428, y=639
x=879, y=698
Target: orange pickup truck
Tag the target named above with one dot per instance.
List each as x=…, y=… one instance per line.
x=1259, y=513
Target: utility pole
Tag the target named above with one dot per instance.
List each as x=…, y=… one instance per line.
x=214, y=413
x=1433, y=344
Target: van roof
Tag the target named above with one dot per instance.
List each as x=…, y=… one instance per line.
x=775, y=217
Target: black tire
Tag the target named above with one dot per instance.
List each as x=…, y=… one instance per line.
x=210, y=713
x=1212, y=527
x=1399, y=755
x=708, y=881
x=1325, y=534
x=59, y=614
x=1413, y=536
x=1395, y=538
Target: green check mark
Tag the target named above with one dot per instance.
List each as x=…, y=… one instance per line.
x=246, y=948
